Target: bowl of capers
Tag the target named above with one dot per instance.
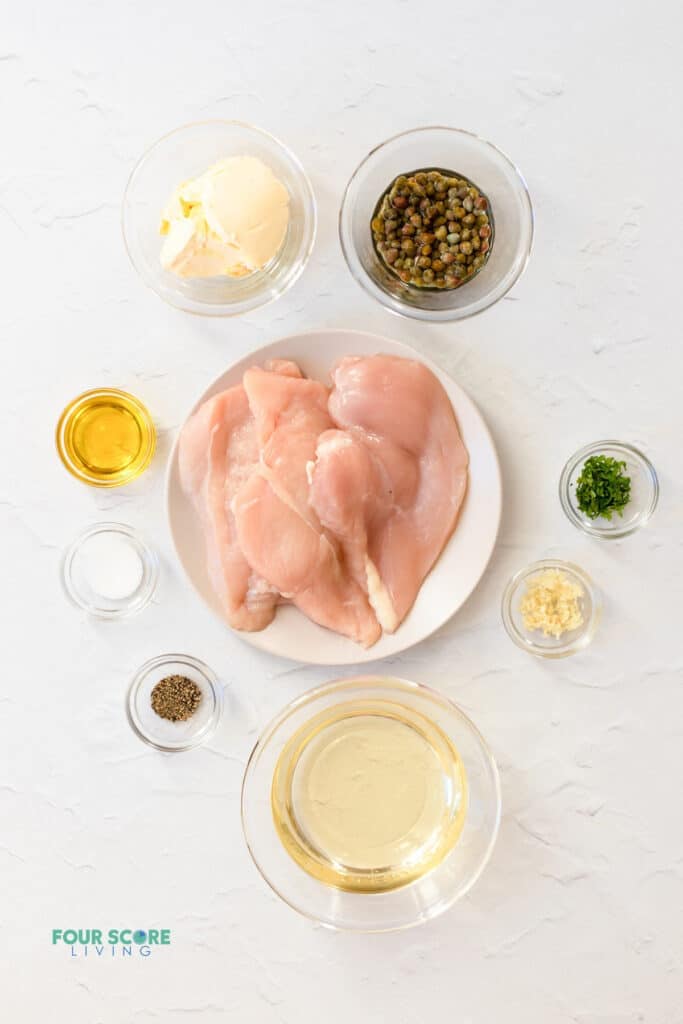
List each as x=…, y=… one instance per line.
x=436, y=224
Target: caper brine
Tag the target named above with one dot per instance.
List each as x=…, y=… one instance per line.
x=433, y=229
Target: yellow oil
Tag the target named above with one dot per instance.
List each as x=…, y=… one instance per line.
x=368, y=796
x=106, y=437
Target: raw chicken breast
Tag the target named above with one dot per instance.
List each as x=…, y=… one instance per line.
x=390, y=482
x=278, y=531
x=217, y=452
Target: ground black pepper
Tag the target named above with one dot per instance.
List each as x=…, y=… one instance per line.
x=176, y=698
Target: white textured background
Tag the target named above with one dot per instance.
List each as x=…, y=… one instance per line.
x=578, y=917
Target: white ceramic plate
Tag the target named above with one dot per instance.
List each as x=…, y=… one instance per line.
x=454, y=577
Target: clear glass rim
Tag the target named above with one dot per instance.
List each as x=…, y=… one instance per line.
x=259, y=300
x=391, y=683
x=67, y=414
x=565, y=495
x=210, y=725
x=579, y=642
x=395, y=305
x=149, y=556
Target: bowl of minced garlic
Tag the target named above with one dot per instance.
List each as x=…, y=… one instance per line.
x=551, y=608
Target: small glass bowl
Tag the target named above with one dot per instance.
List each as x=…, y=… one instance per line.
x=425, y=897
x=185, y=153
x=159, y=732
x=77, y=585
x=644, y=490
x=464, y=154
x=535, y=642
x=67, y=433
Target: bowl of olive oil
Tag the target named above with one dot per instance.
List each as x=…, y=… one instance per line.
x=106, y=437
x=371, y=804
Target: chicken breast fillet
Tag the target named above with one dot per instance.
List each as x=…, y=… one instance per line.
x=217, y=452
x=390, y=481
x=278, y=530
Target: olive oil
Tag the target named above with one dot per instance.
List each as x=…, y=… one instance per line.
x=368, y=796
x=106, y=437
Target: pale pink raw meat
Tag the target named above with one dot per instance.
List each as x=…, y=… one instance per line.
x=391, y=480
x=278, y=531
x=217, y=452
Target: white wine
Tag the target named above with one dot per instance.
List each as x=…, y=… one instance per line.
x=369, y=795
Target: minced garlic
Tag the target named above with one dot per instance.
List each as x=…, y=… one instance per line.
x=552, y=603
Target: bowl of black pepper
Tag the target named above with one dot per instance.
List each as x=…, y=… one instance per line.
x=174, y=702
x=436, y=224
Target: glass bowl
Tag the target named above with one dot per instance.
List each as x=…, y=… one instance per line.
x=535, y=642
x=186, y=153
x=644, y=490
x=94, y=401
x=159, y=732
x=429, y=894
x=78, y=585
x=467, y=156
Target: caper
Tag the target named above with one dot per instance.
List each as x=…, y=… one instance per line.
x=432, y=229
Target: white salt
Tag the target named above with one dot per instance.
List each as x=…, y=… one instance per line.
x=111, y=566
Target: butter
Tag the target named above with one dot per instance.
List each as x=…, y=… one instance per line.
x=229, y=221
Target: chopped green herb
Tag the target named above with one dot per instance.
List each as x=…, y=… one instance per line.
x=603, y=487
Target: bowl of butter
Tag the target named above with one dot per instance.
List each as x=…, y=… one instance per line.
x=218, y=218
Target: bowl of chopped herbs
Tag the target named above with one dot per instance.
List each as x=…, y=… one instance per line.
x=609, y=489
